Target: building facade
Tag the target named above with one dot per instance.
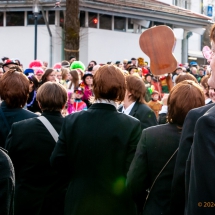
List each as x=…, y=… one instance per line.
x=110, y=29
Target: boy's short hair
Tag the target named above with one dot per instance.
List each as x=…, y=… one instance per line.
x=109, y=83
x=51, y=96
x=14, y=88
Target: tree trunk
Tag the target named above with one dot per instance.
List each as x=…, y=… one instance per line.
x=72, y=29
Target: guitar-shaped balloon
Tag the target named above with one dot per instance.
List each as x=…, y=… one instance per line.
x=158, y=43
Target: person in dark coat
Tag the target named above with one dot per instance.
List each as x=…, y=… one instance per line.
x=7, y=183
x=199, y=191
x=186, y=141
x=153, y=165
x=14, y=90
x=96, y=148
x=32, y=104
x=134, y=102
x=39, y=189
x=201, y=188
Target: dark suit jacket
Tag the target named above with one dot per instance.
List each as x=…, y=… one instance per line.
x=156, y=146
x=96, y=148
x=7, y=184
x=144, y=113
x=12, y=115
x=39, y=189
x=178, y=184
x=201, y=193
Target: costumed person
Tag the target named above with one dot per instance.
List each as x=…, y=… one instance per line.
x=176, y=73
x=87, y=84
x=28, y=72
x=140, y=62
x=37, y=66
x=32, y=103
x=95, y=148
x=132, y=70
x=156, y=83
x=164, y=85
x=38, y=72
x=70, y=102
x=140, y=65
x=79, y=66
x=57, y=68
x=78, y=103
x=8, y=64
x=155, y=104
x=148, y=84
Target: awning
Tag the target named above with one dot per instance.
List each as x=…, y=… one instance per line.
x=197, y=54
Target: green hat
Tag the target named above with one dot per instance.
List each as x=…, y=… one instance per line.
x=77, y=65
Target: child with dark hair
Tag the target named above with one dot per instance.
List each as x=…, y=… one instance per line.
x=32, y=104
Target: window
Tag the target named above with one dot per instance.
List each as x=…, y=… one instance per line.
x=15, y=19
x=130, y=24
x=93, y=20
x=119, y=23
x=82, y=18
x=1, y=18
x=158, y=23
x=31, y=18
x=51, y=17
x=105, y=22
x=61, y=19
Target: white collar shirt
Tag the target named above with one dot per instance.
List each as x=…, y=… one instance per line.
x=128, y=109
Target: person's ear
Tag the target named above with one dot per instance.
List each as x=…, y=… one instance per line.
x=40, y=105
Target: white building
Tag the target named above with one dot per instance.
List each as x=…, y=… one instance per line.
x=110, y=29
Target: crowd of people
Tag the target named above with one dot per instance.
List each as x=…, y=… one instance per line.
x=106, y=138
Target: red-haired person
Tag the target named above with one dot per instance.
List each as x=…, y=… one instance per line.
x=96, y=147
x=134, y=103
x=153, y=165
x=196, y=155
x=14, y=91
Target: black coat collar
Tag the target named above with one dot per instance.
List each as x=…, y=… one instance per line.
x=103, y=106
x=52, y=113
x=134, y=109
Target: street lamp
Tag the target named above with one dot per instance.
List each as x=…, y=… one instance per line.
x=35, y=12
